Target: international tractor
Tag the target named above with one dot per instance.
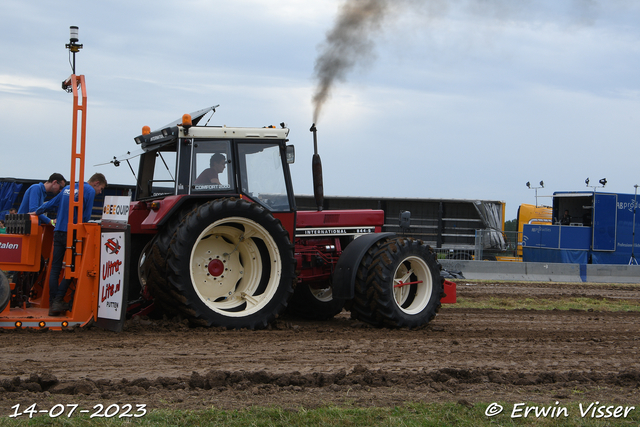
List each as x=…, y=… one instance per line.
x=213, y=235
x=216, y=237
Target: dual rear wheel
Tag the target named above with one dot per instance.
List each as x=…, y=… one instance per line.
x=398, y=284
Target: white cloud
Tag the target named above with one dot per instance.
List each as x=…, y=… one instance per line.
x=17, y=83
x=465, y=99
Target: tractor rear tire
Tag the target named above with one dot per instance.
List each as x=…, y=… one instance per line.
x=313, y=303
x=229, y=263
x=405, y=284
x=5, y=291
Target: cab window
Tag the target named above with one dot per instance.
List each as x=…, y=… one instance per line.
x=212, y=167
x=262, y=175
x=163, y=181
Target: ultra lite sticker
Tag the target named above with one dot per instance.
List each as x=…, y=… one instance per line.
x=112, y=257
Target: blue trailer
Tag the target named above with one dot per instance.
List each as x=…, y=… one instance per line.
x=600, y=230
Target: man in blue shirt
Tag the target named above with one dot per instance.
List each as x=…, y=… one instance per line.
x=94, y=186
x=34, y=196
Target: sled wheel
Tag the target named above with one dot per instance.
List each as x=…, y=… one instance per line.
x=407, y=284
x=232, y=262
x=5, y=291
x=315, y=303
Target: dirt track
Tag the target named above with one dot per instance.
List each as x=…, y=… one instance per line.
x=465, y=355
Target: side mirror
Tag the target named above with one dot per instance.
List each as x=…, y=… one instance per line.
x=290, y=154
x=405, y=221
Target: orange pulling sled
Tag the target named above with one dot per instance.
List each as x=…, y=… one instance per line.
x=26, y=251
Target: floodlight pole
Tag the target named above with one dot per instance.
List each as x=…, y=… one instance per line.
x=595, y=187
x=536, y=188
x=632, y=260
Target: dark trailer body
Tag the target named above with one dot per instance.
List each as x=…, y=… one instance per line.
x=445, y=224
x=601, y=230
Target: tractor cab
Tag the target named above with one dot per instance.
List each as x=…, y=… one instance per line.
x=205, y=161
x=226, y=196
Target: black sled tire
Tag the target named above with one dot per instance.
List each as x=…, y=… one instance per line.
x=406, y=284
x=314, y=304
x=230, y=264
x=5, y=291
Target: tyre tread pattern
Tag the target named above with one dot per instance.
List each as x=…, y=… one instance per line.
x=363, y=306
x=156, y=265
x=377, y=305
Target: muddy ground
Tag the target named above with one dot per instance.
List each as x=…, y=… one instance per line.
x=465, y=355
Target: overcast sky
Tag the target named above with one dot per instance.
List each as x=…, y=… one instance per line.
x=462, y=99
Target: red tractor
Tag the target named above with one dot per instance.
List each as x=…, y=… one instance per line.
x=216, y=237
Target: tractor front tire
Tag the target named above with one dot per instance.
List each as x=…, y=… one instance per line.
x=230, y=264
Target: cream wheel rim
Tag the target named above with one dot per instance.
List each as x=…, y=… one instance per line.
x=227, y=268
x=412, y=285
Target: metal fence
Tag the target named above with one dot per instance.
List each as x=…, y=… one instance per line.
x=480, y=249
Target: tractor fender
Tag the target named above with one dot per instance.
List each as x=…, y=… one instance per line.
x=169, y=206
x=344, y=275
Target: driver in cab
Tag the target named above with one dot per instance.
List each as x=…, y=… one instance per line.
x=217, y=163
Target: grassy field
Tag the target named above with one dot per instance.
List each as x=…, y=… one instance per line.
x=572, y=303
x=450, y=414
x=554, y=303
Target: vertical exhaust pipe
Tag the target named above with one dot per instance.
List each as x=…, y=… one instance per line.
x=316, y=167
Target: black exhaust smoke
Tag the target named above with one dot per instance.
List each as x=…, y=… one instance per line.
x=348, y=43
x=351, y=40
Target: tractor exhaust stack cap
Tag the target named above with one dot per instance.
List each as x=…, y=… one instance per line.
x=315, y=138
